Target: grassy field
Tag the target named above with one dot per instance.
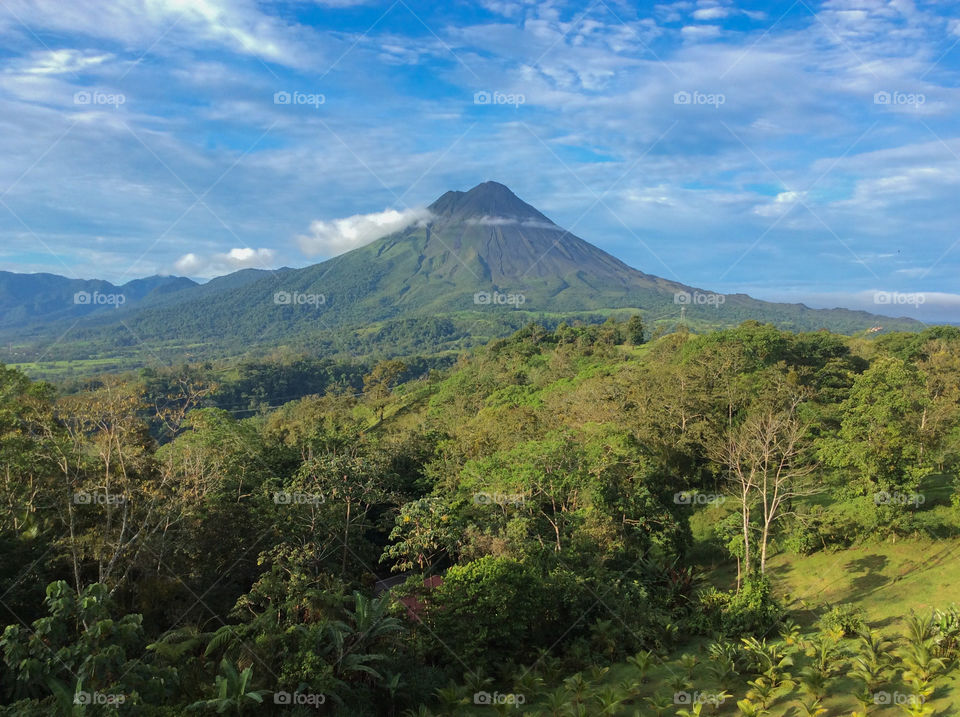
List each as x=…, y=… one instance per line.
x=888, y=578
x=60, y=370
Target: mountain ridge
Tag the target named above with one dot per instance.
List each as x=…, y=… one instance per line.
x=482, y=242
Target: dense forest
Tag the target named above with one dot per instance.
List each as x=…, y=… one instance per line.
x=575, y=520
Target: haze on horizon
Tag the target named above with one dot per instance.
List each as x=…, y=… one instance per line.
x=792, y=151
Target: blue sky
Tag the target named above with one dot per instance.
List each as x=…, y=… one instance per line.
x=790, y=150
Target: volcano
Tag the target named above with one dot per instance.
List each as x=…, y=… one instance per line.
x=476, y=243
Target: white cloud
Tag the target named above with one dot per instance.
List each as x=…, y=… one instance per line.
x=239, y=25
x=338, y=236
x=711, y=13
x=499, y=7
x=672, y=12
x=489, y=221
x=217, y=264
x=700, y=31
x=781, y=204
x=58, y=62
x=797, y=95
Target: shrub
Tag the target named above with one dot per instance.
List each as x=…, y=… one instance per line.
x=707, y=616
x=846, y=617
x=753, y=610
x=802, y=540
x=496, y=609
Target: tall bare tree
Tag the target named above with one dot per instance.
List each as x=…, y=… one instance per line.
x=766, y=460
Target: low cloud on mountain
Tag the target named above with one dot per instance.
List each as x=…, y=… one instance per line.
x=216, y=264
x=337, y=236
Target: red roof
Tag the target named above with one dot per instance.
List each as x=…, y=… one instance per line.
x=413, y=604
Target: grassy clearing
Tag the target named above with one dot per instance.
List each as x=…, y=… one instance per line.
x=59, y=370
x=889, y=579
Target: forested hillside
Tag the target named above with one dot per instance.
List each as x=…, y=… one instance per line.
x=575, y=520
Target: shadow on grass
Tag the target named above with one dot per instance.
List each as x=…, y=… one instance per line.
x=885, y=622
x=781, y=571
x=872, y=566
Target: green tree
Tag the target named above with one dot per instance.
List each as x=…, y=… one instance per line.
x=233, y=693
x=493, y=610
x=635, y=330
x=425, y=530
x=81, y=646
x=379, y=383
x=881, y=438
x=31, y=442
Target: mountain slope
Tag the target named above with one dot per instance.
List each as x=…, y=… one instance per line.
x=484, y=241
x=512, y=240
x=27, y=299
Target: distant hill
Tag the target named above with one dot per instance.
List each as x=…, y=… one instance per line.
x=485, y=258
x=28, y=299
